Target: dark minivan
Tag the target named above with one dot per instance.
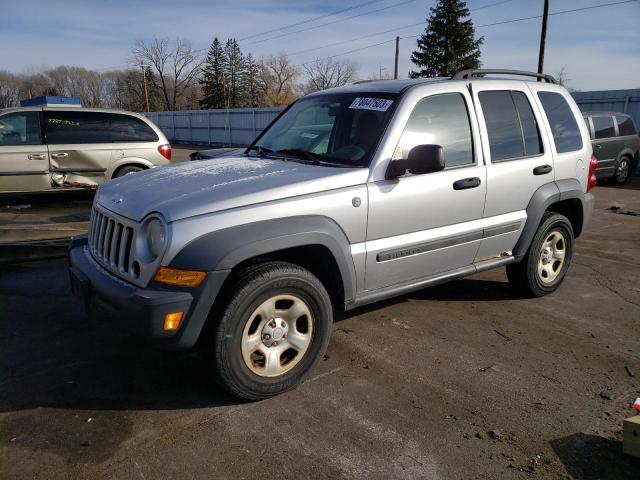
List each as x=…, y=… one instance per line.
x=615, y=144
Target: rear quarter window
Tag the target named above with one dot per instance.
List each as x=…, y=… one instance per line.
x=125, y=128
x=563, y=123
x=625, y=125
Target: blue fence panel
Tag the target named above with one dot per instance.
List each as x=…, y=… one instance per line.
x=233, y=127
x=625, y=101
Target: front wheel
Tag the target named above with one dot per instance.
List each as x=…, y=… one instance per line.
x=547, y=260
x=273, y=331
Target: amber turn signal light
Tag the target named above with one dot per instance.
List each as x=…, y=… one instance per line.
x=180, y=278
x=172, y=321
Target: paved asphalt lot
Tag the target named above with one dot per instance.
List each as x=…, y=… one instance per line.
x=461, y=381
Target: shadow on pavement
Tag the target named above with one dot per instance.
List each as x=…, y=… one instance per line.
x=52, y=356
x=591, y=457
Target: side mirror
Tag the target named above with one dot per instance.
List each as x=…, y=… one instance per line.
x=421, y=159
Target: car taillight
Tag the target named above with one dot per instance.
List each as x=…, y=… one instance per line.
x=592, y=173
x=165, y=151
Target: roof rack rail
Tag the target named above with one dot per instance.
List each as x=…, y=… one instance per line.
x=467, y=74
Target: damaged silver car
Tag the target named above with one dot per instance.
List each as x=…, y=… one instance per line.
x=45, y=149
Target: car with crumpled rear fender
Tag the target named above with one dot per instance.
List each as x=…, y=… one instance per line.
x=352, y=195
x=57, y=148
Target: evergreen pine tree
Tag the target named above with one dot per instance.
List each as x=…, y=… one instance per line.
x=213, y=81
x=234, y=68
x=251, y=90
x=448, y=44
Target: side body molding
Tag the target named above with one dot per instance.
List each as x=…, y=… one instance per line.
x=546, y=195
x=226, y=248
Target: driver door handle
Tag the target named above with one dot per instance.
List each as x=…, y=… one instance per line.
x=471, y=182
x=37, y=156
x=59, y=155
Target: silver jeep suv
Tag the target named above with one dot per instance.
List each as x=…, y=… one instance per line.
x=352, y=195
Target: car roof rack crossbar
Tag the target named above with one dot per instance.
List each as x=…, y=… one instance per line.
x=468, y=74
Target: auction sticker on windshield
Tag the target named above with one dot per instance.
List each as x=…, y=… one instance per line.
x=377, y=104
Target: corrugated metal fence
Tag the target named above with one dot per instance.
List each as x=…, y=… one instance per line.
x=214, y=127
x=625, y=101
x=240, y=126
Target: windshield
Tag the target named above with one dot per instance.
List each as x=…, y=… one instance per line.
x=339, y=129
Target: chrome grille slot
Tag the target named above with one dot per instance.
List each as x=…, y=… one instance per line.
x=111, y=240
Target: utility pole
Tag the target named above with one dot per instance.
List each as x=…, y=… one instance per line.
x=144, y=81
x=395, y=69
x=381, y=68
x=543, y=36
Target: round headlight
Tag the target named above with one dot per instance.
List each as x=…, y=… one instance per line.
x=156, y=236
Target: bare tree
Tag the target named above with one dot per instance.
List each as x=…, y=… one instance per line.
x=277, y=79
x=9, y=89
x=176, y=64
x=562, y=76
x=328, y=73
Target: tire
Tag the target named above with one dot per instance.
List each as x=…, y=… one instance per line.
x=257, y=354
x=622, y=172
x=541, y=271
x=127, y=170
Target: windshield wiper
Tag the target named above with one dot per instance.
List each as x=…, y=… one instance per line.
x=262, y=151
x=301, y=155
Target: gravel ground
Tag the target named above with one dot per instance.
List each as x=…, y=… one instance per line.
x=462, y=380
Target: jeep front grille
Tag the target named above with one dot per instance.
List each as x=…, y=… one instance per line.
x=111, y=241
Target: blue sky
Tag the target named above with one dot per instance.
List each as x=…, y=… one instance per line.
x=599, y=49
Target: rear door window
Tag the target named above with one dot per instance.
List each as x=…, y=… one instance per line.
x=22, y=128
x=76, y=127
x=511, y=125
x=564, y=127
x=625, y=125
x=125, y=128
x=603, y=127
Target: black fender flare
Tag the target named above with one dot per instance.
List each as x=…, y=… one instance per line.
x=542, y=198
x=224, y=249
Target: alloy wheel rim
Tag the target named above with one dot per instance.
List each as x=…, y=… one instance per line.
x=552, y=257
x=623, y=171
x=277, y=335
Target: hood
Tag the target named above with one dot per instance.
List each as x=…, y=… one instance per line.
x=207, y=186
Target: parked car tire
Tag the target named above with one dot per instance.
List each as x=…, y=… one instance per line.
x=546, y=262
x=623, y=171
x=272, y=332
x=127, y=170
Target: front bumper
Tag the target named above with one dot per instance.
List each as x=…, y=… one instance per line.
x=141, y=311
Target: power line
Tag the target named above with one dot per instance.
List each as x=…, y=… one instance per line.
x=533, y=17
x=309, y=20
x=479, y=26
x=314, y=27
x=386, y=31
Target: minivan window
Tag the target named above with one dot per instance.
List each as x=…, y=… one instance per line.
x=440, y=120
x=603, y=127
x=95, y=127
x=126, y=128
x=76, y=127
x=511, y=125
x=21, y=128
x=625, y=125
x=564, y=127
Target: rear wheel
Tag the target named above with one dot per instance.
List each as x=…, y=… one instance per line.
x=547, y=260
x=623, y=171
x=273, y=331
x=127, y=170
